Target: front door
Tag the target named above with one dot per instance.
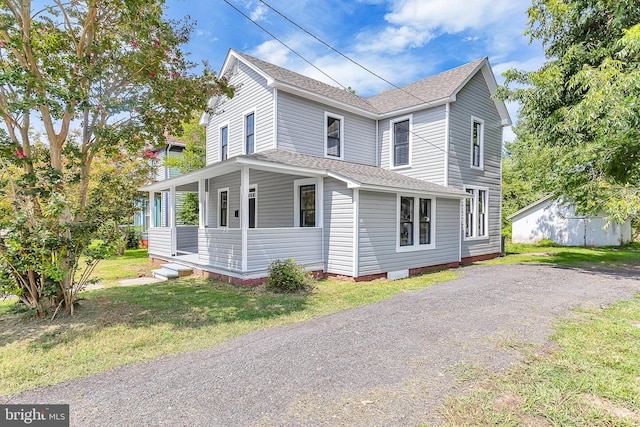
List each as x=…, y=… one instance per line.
x=252, y=207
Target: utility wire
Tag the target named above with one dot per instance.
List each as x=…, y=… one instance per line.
x=339, y=53
x=285, y=45
x=342, y=54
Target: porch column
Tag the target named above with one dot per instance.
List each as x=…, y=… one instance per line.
x=244, y=215
x=171, y=211
x=151, y=210
x=202, y=198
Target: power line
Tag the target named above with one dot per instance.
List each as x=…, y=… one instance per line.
x=285, y=45
x=339, y=53
x=342, y=54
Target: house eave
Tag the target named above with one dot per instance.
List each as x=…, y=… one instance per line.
x=294, y=90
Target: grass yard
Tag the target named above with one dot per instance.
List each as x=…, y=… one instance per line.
x=593, y=381
x=133, y=263
x=625, y=256
x=600, y=363
x=121, y=325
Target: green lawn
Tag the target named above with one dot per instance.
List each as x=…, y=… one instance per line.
x=121, y=325
x=593, y=381
x=627, y=255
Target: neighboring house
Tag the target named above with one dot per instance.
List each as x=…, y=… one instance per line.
x=173, y=147
x=551, y=219
x=385, y=186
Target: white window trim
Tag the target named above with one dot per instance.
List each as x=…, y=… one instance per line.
x=341, y=118
x=256, y=199
x=481, y=138
x=244, y=130
x=475, y=214
x=416, y=224
x=221, y=190
x=220, y=127
x=296, y=199
x=392, y=141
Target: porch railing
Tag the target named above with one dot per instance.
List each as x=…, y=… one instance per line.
x=304, y=245
x=160, y=241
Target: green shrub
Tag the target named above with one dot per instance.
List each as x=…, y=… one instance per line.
x=287, y=277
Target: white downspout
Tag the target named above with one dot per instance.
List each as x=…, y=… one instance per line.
x=172, y=220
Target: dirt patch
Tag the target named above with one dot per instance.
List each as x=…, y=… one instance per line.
x=611, y=408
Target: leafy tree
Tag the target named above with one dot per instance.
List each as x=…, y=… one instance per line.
x=193, y=157
x=580, y=115
x=113, y=72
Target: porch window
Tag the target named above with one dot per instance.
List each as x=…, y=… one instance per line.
x=224, y=143
x=249, y=133
x=252, y=207
x=334, y=132
x=308, y=205
x=401, y=142
x=224, y=207
x=476, y=217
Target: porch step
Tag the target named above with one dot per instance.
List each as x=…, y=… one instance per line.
x=171, y=271
x=182, y=270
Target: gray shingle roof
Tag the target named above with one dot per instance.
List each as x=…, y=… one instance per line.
x=306, y=83
x=421, y=92
x=361, y=174
x=427, y=90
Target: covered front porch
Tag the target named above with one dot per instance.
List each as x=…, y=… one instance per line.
x=249, y=214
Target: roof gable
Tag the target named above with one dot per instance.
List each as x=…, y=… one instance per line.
x=425, y=93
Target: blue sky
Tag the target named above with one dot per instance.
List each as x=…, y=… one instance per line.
x=401, y=40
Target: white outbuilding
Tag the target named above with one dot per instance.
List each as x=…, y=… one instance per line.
x=551, y=219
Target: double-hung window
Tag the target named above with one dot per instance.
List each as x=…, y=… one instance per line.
x=223, y=205
x=333, y=135
x=401, y=142
x=477, y=143
x=224, y=143
x=476, y=218
x=415, y=227
x=249, y=133
x=308, y=205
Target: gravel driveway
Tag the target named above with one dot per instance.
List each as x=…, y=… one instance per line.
x=385, y=364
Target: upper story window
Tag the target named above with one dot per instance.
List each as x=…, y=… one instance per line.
x=333, y=135
x=401, y=142
x=415, y=225
x=224, y=143
x=249, y=133
x=476, y=218
x=477, y=143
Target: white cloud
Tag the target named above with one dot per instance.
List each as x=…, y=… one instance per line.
x=451, y=15
x=393, y=39
x=259, y=13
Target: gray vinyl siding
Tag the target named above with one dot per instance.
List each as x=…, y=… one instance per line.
x=378, y=222
x=275, y=202
x=159, y=241
x=338, y=225
x=187, y=238
x=251, y=93
x=475, y=100
x=231, y=181
x=220, y=248
x=428, y=145
x=301, y=129
x=267, y=245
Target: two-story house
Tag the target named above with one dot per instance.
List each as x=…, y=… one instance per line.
x=385, y=186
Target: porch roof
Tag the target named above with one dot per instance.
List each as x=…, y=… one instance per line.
x=355, y=175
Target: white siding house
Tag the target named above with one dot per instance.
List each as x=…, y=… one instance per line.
x=550, y=219
x=385, y=186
